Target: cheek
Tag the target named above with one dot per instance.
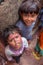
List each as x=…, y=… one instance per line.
x=12, y=43
x=35, y=17
x=24, y=18
x=19, y=39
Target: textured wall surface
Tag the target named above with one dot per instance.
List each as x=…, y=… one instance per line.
x=8, y=12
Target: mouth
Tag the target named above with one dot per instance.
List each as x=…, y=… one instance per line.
x=28, y=24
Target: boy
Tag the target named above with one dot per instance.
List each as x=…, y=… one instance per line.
x=15, y=43
x=28, y=18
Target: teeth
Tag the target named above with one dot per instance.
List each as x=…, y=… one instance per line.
x=18, y=44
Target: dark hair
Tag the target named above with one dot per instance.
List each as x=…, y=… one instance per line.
x=8, y=31
x=29, y=7
x=41, y=17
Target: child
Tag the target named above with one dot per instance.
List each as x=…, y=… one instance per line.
x=39, y=46
x=15, y=44
x=28, y=18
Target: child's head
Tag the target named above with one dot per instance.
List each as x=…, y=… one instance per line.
x=12, y=36
x=28, y=11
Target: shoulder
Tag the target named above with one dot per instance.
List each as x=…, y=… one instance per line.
x=7, y=47
x=19, y=23
x=24, y=39
x=7, y=50
x=25, y=42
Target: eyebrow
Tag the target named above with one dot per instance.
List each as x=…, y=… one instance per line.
x=11, y=39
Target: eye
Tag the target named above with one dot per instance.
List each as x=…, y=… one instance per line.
x=16, y=36
x=25, y=15
x=11, y=40
x=33, y=15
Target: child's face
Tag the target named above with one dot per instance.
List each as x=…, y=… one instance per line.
x=29, y=18
x=15, y=40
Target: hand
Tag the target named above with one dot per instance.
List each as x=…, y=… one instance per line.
x=28, y=51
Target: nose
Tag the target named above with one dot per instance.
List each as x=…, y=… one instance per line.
x=16, y=40
x=29, y=18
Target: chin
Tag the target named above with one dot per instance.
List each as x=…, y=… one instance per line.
x=17, y=48
x=28, y=24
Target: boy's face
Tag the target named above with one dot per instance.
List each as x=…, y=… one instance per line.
x=29, y=18
x=15, y=40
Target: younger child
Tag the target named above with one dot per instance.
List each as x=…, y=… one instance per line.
x=28, y=18
x=39, y=46
x=15, y=43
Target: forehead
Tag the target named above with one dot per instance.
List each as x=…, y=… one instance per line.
x=13, y=34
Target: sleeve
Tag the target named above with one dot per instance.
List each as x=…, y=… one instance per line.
x=8, y=55
x=19, y=24
x=25, y=43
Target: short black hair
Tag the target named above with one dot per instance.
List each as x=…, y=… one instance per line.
x=29, y=7
x=8, y=31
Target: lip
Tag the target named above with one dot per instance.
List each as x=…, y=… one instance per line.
x=28, y=24
x=17, y=47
